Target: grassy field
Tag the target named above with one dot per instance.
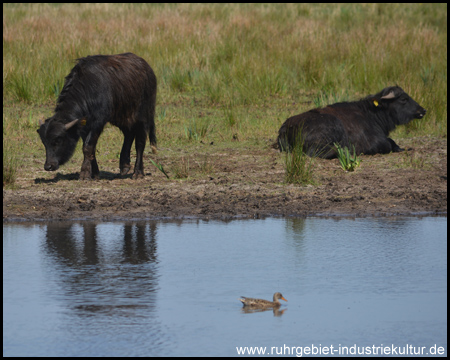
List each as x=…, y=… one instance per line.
x=228, y=74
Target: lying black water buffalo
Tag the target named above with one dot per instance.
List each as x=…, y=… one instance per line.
x=120, y=89
x=364, y=124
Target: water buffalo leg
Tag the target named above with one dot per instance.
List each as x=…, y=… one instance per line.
x=89, y=168
x=141, y=137
x=395, y=147
x=125, y=153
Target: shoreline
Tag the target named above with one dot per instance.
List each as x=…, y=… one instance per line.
x=240, y=184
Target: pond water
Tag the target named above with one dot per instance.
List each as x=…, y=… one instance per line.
x=377, y=285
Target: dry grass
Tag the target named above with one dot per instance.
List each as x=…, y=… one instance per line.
x=238, y=69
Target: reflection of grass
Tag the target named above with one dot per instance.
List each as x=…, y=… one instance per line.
x=348, y=161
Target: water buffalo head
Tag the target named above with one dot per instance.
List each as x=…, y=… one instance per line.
x=59, y=139
x=400, y=106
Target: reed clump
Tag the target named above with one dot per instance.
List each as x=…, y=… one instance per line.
x=348, y=160
x=298, y=165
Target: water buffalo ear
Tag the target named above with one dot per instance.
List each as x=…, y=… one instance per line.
x=70, y=124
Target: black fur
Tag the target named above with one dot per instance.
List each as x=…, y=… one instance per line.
x=120, y=89
x=364, y=124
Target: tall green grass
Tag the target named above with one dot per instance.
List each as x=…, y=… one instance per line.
x=349, y=160
x=10, y=165
x=243, y=68
x=244, y=53
x=298, y=166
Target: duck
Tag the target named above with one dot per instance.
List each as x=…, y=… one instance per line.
x=260, y=303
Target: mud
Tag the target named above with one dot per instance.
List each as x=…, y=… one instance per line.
x=237, y=183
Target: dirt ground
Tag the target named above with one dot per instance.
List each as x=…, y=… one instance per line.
x=238, y=183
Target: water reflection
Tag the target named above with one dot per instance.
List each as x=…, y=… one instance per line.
x=82, y=243
x=171, y=288
x=380, y=250
x=276, y=311
x=99, y=266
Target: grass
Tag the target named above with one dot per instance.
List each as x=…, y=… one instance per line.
x=181, y=170
x=227, y=72
x=298, y=166
x=413, y=160
x=349, y=160
x=195, y=131
x=160, y=167
x=10, y=165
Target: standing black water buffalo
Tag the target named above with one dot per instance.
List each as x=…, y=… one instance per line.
x=120, y=89
x=364, y=124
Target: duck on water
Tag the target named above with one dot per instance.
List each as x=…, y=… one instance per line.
x=260, y=303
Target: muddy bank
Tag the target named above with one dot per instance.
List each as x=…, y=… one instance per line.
x=244, y=183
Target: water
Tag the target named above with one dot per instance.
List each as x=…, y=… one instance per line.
x=172, y=288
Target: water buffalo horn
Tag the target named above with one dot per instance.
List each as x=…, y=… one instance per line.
x=391, y=95
x=69, y=125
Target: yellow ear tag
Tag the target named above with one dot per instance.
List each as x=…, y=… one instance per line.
x=83, y=122
x=375, y=103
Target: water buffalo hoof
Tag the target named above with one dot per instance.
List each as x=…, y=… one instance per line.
x=138, y=175
x=85, y=175
x=125, y=169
